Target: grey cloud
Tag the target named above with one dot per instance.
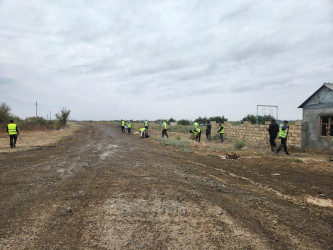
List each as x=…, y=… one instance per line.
x=5, y=80
x=170, y=52
x=239, y=12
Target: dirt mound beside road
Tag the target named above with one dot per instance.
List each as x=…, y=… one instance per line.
x=104, y=189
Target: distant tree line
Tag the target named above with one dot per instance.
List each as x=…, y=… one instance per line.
x=6, y=116
x=219, y=119
x=261, y=119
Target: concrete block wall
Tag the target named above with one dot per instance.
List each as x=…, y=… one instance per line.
x=258, y=133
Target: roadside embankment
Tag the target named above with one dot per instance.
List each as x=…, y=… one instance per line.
x=38, y=138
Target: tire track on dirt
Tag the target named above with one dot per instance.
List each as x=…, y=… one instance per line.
x=125, y=192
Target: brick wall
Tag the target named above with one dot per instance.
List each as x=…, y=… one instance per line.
x=258, y=133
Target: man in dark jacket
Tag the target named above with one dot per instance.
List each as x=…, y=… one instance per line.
x=208, y=130
x=273, y=130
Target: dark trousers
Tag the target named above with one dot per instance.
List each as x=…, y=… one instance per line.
x=272, y=141
x=208, y=135
x=146, y=127
x=144, y=134
x=221, y=137
x=164, y=132
x=198, y=137
x=284, y=145
x=12, y=139
x=122, y=129
x=129, y=130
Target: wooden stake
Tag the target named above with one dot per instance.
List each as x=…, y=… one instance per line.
x=328, y=141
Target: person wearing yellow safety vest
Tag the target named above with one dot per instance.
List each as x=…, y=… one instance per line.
x=122, y=126
x=283, y=134
x=129, y=126
x=143, y=133
x=164, y=129
x=195, y=125
x=12, y=131
x=197, y=133
x=221, y=132
x=146, y=124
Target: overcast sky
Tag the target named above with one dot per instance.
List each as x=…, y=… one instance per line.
x=160, y=59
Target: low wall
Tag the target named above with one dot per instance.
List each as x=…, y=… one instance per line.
x=258, y=133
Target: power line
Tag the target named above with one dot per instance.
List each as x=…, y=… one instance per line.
x=4, y=93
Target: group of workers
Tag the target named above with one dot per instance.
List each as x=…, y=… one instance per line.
x=143, y=131
x=274, y=130
x=196, y=131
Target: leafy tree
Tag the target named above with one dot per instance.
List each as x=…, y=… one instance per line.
x=159, y=121
x=63, y=116
x=261, y=118
x=184, y=122
x=171, y=120
x=201, y=120
x=218, y=119
x=4, y=113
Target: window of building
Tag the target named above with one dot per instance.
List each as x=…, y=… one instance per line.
x=324, y=122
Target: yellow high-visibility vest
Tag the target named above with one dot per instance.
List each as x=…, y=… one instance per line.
x=196, y=131
x=12, y=129
x=164, y=125
x=129, y=125
x=283, y=133
x=146, y=123
x=122, y=123
x=222, y=131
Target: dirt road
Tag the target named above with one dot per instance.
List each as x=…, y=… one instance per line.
x=101, y=189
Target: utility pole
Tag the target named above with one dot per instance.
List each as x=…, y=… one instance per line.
x=50, y=116
x=36, y=109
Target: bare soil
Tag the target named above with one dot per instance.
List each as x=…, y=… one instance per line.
x=101, y=189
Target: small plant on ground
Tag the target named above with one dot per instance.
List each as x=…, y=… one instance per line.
x=181, y=144
x=178, y=137
x=239, y=144
x=215, y=137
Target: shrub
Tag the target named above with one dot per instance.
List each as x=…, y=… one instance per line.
x=218, y=119
x=63, y=116
x=261, y=119
x=171, y=120
x=215, y=137
x=178, y=137
x=4, y=113
x=184, y=122
x=239, y=144
x=34, y=125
